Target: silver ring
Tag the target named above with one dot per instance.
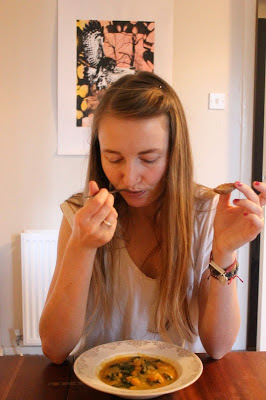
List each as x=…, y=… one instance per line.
x=107, y=223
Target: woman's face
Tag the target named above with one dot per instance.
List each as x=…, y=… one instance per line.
x=134, y=155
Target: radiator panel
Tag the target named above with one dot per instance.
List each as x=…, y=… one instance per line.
x=38, y=258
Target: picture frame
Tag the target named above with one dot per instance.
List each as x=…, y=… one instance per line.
x=73, y=139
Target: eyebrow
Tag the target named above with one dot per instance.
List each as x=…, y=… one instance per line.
x=154, y=150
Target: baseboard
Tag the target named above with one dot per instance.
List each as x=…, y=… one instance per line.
x=13, y=350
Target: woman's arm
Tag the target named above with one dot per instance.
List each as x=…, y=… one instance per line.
x=234, y=226
x=219, y=315
x=63, y=316
x=62, y=319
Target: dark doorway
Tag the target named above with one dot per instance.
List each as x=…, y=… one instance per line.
x=257, y=165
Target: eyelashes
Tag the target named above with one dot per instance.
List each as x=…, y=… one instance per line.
x=142, y=160
x=113, y=161
x=150, y=161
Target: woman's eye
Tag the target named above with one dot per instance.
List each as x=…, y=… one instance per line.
x=116, y=161
x=149, y=161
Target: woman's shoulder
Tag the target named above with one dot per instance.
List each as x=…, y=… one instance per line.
x=205, y=199
x=76, y=199
x=205, y=205
x=71, y=205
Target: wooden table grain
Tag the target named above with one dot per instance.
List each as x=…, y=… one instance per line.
x=237, y=376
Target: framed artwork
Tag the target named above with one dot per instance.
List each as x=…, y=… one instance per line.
x=95, y=48
x=107, y=50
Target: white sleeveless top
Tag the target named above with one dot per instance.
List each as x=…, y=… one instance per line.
x=135, y=294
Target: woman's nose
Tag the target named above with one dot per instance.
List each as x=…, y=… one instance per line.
x=130, y=175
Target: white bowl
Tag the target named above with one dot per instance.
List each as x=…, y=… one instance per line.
x=188, y=365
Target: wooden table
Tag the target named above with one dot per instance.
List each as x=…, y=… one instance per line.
x=237, y=376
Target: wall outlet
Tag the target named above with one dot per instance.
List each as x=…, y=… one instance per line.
x=17, y=332
x=18, y=336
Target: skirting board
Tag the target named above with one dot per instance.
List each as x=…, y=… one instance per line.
x=13, y=350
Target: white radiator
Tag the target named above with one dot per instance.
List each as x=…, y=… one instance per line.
x=38, y=258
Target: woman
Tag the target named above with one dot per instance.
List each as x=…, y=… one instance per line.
x=134, y=265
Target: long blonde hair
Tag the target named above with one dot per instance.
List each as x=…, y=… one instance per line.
x=145, y=95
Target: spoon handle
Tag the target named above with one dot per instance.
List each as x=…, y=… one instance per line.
x=112, y=192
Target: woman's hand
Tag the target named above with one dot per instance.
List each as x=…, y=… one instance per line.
x=238, y=224
x=90, y=230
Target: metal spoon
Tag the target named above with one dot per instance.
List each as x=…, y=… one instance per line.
x=112, y=192
x=224, y=188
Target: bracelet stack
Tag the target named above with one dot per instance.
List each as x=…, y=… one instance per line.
x=224, y=275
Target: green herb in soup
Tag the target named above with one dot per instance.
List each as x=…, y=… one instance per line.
x=138, y=373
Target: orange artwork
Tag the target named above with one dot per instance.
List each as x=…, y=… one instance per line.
x=107, y=50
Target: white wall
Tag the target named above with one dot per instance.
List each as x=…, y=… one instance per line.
x=33, y=178
x=209, y=56
x=214, y=51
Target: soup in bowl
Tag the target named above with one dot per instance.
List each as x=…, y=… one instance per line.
x=138, y=372
x=138, y=369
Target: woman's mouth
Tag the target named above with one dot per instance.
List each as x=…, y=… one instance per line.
x=133, y=193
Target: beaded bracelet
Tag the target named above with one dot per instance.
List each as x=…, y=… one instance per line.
x=224, y=275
